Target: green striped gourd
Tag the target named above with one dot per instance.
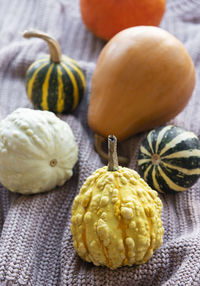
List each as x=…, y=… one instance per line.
x=169, y=159
x=54, y=83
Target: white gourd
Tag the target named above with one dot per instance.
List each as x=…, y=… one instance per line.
x=37, y=151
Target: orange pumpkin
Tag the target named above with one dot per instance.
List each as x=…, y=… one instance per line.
x=105, y=18
x=144, y=77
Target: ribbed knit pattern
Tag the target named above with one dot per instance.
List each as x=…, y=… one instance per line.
x=35, y=240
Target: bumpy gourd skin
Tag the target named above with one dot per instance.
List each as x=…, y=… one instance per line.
x=116, y=219
x=37, y=151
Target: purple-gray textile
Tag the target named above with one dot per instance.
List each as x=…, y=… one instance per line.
x=35, y=243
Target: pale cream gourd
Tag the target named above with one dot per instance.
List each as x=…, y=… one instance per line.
x=37, y=151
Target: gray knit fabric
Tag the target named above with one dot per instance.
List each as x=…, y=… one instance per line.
x=35, y=243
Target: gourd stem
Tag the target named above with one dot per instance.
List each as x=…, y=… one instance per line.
x=98, y=142
x=54, y=47
x=112, y=153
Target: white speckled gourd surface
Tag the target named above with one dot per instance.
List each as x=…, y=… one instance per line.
x=37, y=151
x=36, y=244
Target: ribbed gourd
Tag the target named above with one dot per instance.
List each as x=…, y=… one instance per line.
x=116, y=217
x=37, y=151
x=54, y=83
x=169, y=159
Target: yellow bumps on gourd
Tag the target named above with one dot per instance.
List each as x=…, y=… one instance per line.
x=116, y=219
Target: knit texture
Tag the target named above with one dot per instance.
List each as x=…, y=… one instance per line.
x=35, y=242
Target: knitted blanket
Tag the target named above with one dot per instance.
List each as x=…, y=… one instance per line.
x=35, y=239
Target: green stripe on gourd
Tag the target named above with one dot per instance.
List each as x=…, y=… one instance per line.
x=52, y=90
x=56, y=83
x=36, y=96
x=79, y=78
x=67, y=89
x=169, y=159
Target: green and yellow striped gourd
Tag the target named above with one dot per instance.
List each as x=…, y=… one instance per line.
x=54, y=83
x=169, y=159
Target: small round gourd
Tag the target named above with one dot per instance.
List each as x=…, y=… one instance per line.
x=116, y=218
x=56, y=83
x=106, y=18
x=37, y=151
x=169, y=159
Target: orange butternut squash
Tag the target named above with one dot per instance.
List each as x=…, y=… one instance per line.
x=144, y=77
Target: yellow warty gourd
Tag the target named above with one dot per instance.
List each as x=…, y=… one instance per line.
x=116, y=218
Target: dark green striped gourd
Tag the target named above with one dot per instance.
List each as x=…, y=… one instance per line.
x=54, y=83
x=169, y=159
